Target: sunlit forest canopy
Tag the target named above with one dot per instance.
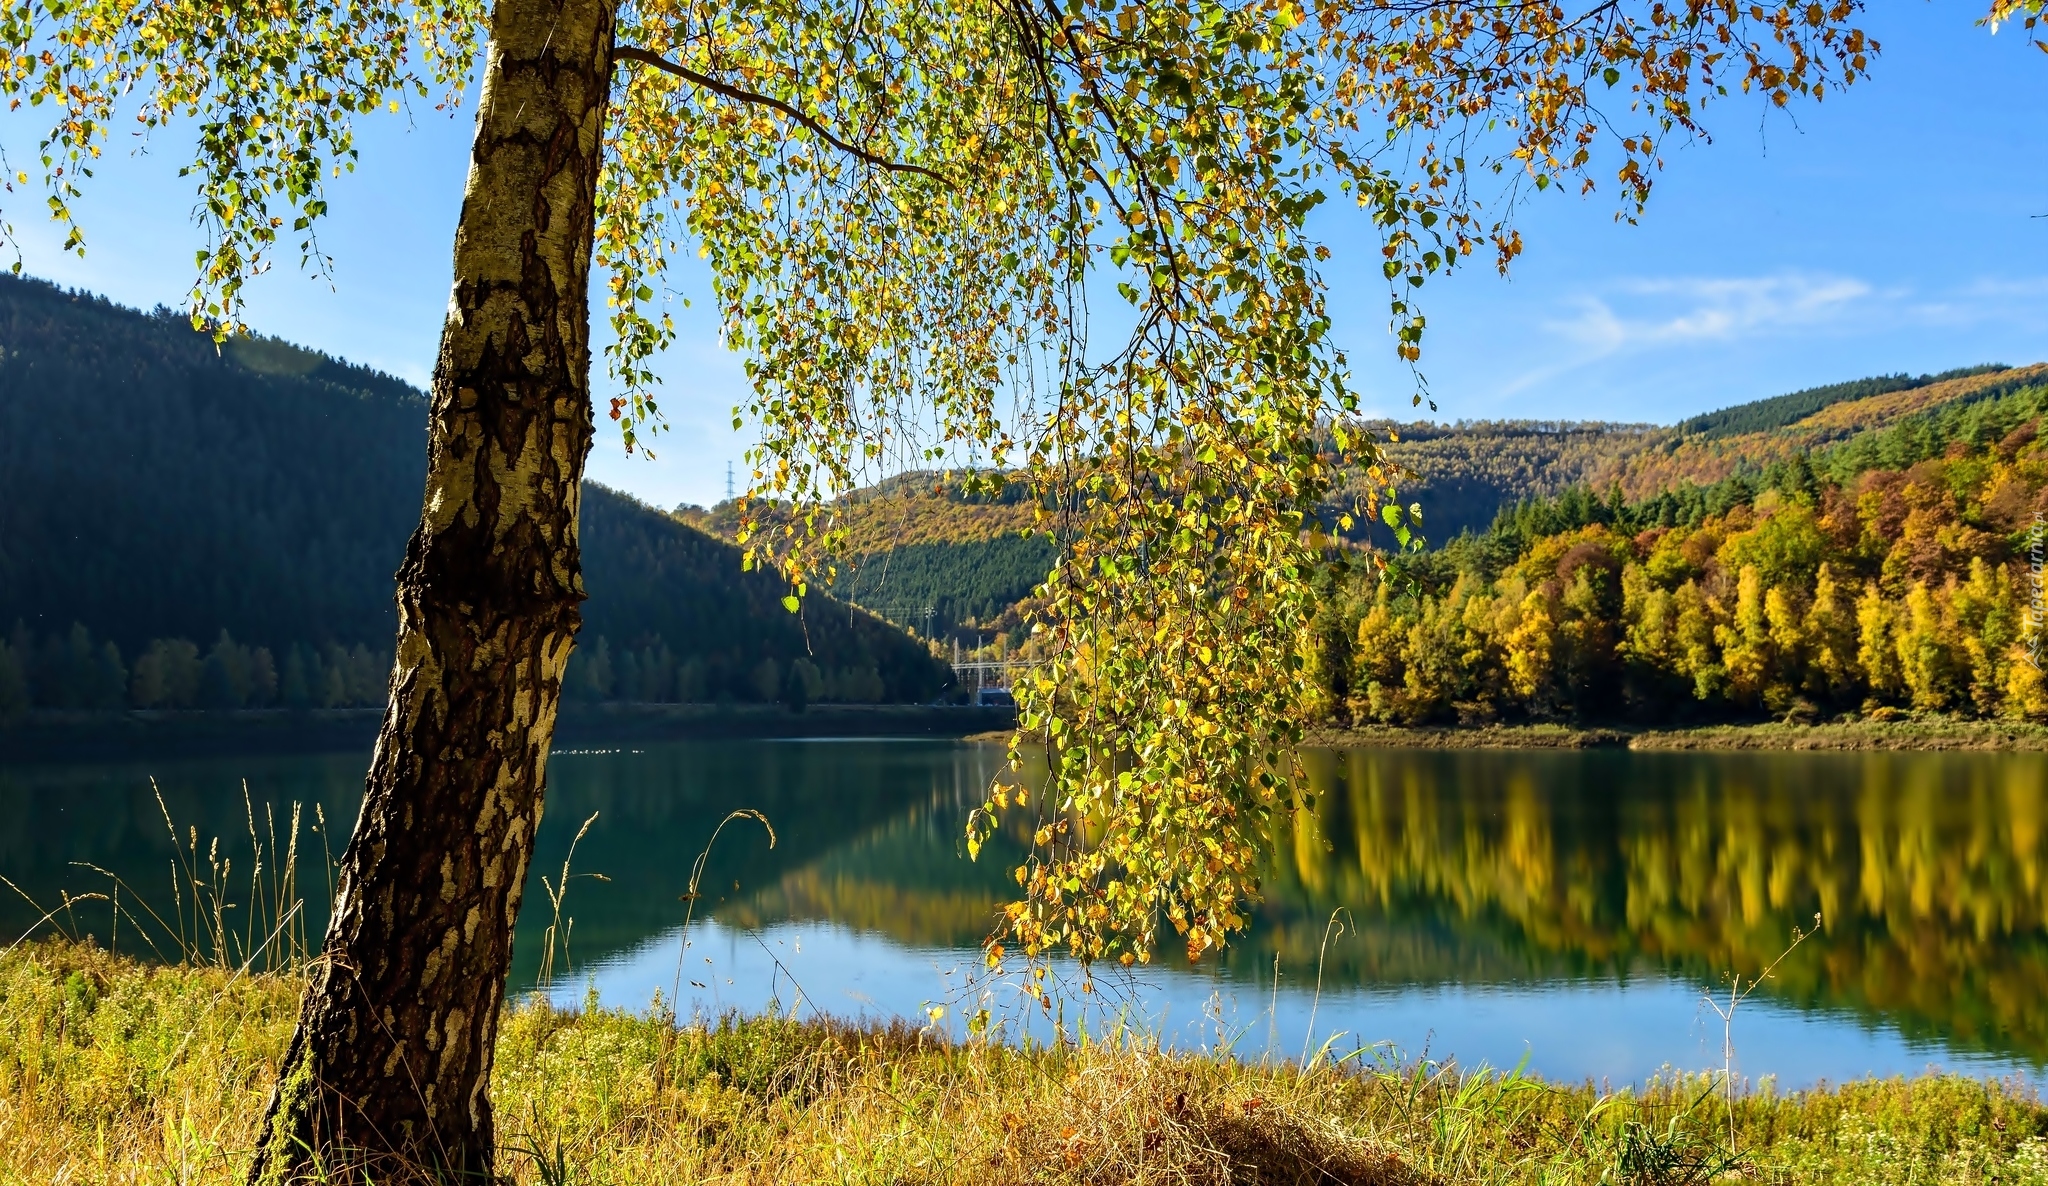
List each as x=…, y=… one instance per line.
x=1885, y=573
x=1778, y=411
x=1463, y=474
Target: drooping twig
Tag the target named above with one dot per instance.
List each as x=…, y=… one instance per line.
x=633, y=53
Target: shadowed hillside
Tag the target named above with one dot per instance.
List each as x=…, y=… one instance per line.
x=188, y=525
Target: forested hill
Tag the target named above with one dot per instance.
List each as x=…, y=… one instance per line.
x=1892, y=571
x=927, y=555
x=1464, y=474
x=157, y=491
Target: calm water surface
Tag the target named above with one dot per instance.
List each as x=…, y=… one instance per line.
x=1565, y=908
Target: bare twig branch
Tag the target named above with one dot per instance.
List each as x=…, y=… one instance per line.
x=633, y=53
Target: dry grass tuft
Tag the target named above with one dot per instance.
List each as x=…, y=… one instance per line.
x=775, y=1100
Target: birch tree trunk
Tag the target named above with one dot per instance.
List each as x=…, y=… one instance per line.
x=389, y=1069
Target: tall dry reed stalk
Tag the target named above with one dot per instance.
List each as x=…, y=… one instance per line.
x=556, y=927
x=203, y=928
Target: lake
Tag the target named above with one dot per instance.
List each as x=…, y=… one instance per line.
x=1567, y=909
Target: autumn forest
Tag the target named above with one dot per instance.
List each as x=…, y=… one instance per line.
x=1891, y=571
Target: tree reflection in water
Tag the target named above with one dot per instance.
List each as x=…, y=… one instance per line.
x=1505, y=868
x=1927, y=871
x=1457, y=868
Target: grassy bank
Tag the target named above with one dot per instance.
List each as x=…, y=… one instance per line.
x=1911, y=733
x=115, y=1072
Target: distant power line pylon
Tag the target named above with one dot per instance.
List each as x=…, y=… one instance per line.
x=728, y=481
x=906, y=615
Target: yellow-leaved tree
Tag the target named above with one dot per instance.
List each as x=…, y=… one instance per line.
x=905, y=209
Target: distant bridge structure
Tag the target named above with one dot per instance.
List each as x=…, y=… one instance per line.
x=989, y=682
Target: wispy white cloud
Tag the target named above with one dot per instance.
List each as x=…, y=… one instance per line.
x=1668, y=324
x=2022, y=302
x=1642, y=313
x=1653, y=315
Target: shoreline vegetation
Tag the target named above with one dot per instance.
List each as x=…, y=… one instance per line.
x=1907, y=733
x=1900, y=734
x=57, y=736
x=118, y=1071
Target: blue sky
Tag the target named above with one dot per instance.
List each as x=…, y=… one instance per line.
x=1890, y=228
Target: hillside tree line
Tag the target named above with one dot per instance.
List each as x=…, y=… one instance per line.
x=1894, y=573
